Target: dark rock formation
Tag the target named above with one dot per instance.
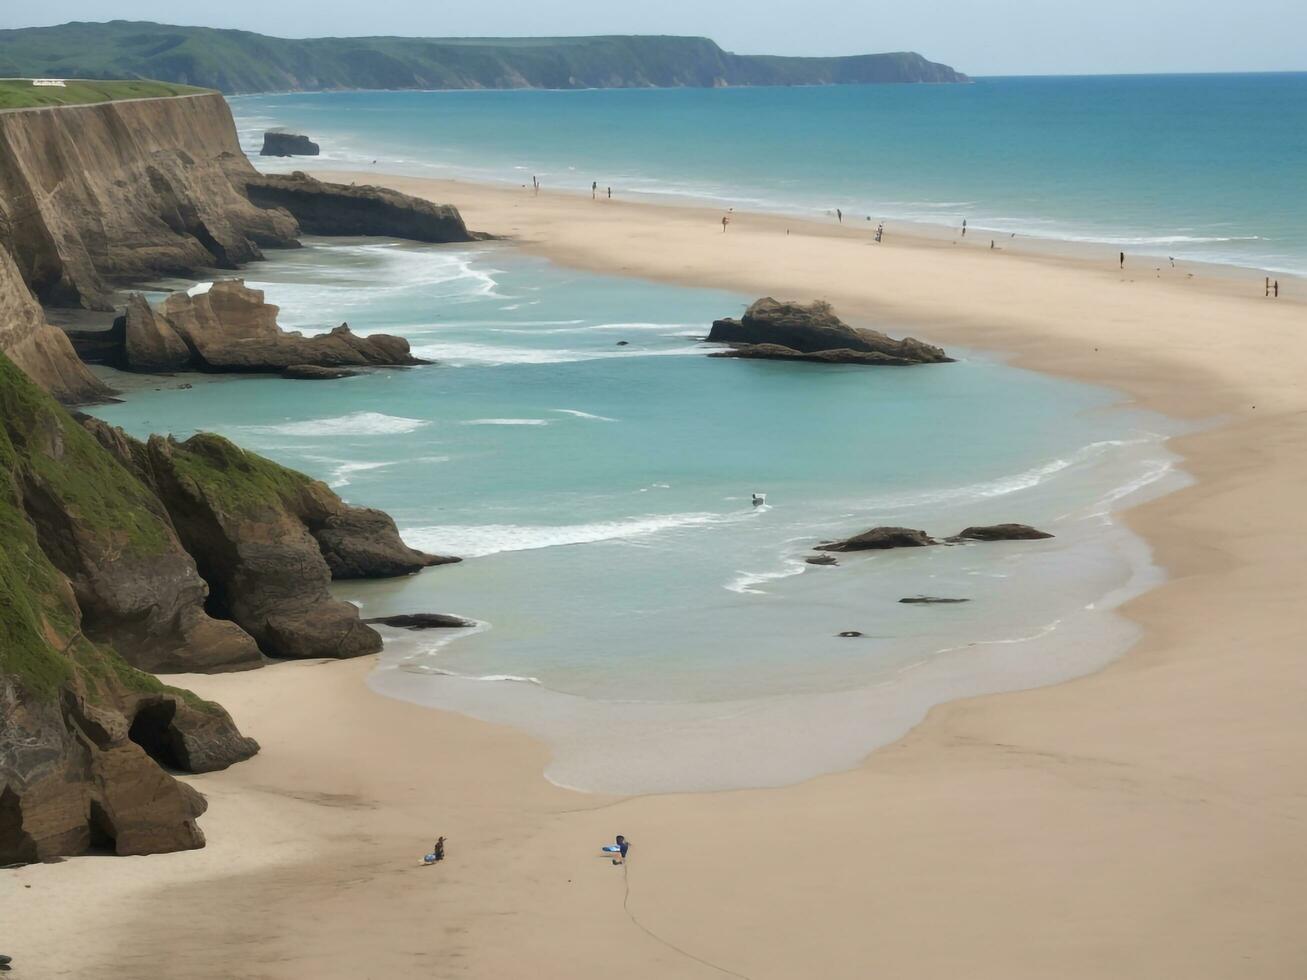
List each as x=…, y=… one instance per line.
x=343, y=209
x=314, y=372
x=1000, y=532
x=135, y=587
x=789, y=330
x=359, y=542
x=421, y=621
x=231, y=328
x=879, y=539
x=268, y=541
x=821, y=560
x=280, y=144
x=849, y=633
x=930, y=600
x=774, y=352
x=83, y=735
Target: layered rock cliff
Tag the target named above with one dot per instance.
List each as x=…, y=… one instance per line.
x=268, y=541
x=42, y=351
x=84, y=737
x=101, y=194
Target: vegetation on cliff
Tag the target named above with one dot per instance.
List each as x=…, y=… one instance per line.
x=20, y=93
x=240, y=61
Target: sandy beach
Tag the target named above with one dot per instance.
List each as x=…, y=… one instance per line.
x=1142, y=822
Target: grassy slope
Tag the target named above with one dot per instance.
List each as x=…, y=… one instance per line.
x=240, y=482
x=40, y=643
x=239, y=61
x=22, y=94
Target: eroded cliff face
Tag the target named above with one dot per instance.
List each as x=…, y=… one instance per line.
x=42, y=351
x=98, y=194
x=84, y=737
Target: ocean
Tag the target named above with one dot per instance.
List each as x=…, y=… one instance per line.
x=635, y=610
x=1201, y=167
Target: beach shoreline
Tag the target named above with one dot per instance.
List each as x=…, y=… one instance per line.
x=1110, y=825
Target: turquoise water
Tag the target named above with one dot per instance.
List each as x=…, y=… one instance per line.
x=1205, y=167
x=635, y=608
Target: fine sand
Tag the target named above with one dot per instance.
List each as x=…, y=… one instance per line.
x=1145, y=822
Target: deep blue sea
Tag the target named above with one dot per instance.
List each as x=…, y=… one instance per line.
x=1204, y=167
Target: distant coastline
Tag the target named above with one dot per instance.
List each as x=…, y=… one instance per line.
x=241, y=62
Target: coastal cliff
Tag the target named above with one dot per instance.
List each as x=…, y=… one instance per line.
x=84, y=737
x=241, y=61
x=95, y=195
x=42, y=351
x=119, y=557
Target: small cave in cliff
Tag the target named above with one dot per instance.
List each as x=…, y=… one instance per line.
x=104, y=835
x=153, y=731
x=16, y=845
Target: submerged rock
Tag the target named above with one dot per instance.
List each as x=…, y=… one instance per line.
x=880, y=539
x=788, y=330
x=421, y=621
x=821, y=560
x=1000, y=532
x=930, y=600
x=775, y=352
x=281, y=144
x=849, y=633
x=323, y=208
x=315, y=372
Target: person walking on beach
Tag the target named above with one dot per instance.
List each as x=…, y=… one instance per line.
x=1123, y=260
x=726, y=220
x=610, y=193
x=594, y=189
x=1275, y=286
x=880, y=230
x=840, y=215
x=964, y=227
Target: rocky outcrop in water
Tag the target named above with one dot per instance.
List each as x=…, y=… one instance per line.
x=881, y=539
x=85, y=737
x=323, y=208
x=230, y=328
x=1000, y=532
x=775, y=330
x=315, y=372
x=421, y=621
x=279, y=144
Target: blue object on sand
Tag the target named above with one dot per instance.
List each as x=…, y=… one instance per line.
x=612, y=848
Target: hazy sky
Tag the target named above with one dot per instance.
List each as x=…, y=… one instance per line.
x=982, y=37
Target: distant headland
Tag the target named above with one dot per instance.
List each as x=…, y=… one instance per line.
x=243, y=62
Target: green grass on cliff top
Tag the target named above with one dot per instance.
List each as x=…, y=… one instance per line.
x=20, y=93
x=41, y=646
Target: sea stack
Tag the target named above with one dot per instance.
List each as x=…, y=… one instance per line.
x=281, y=144
x=776, y=330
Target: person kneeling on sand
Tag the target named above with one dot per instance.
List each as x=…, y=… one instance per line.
x=623, y=845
